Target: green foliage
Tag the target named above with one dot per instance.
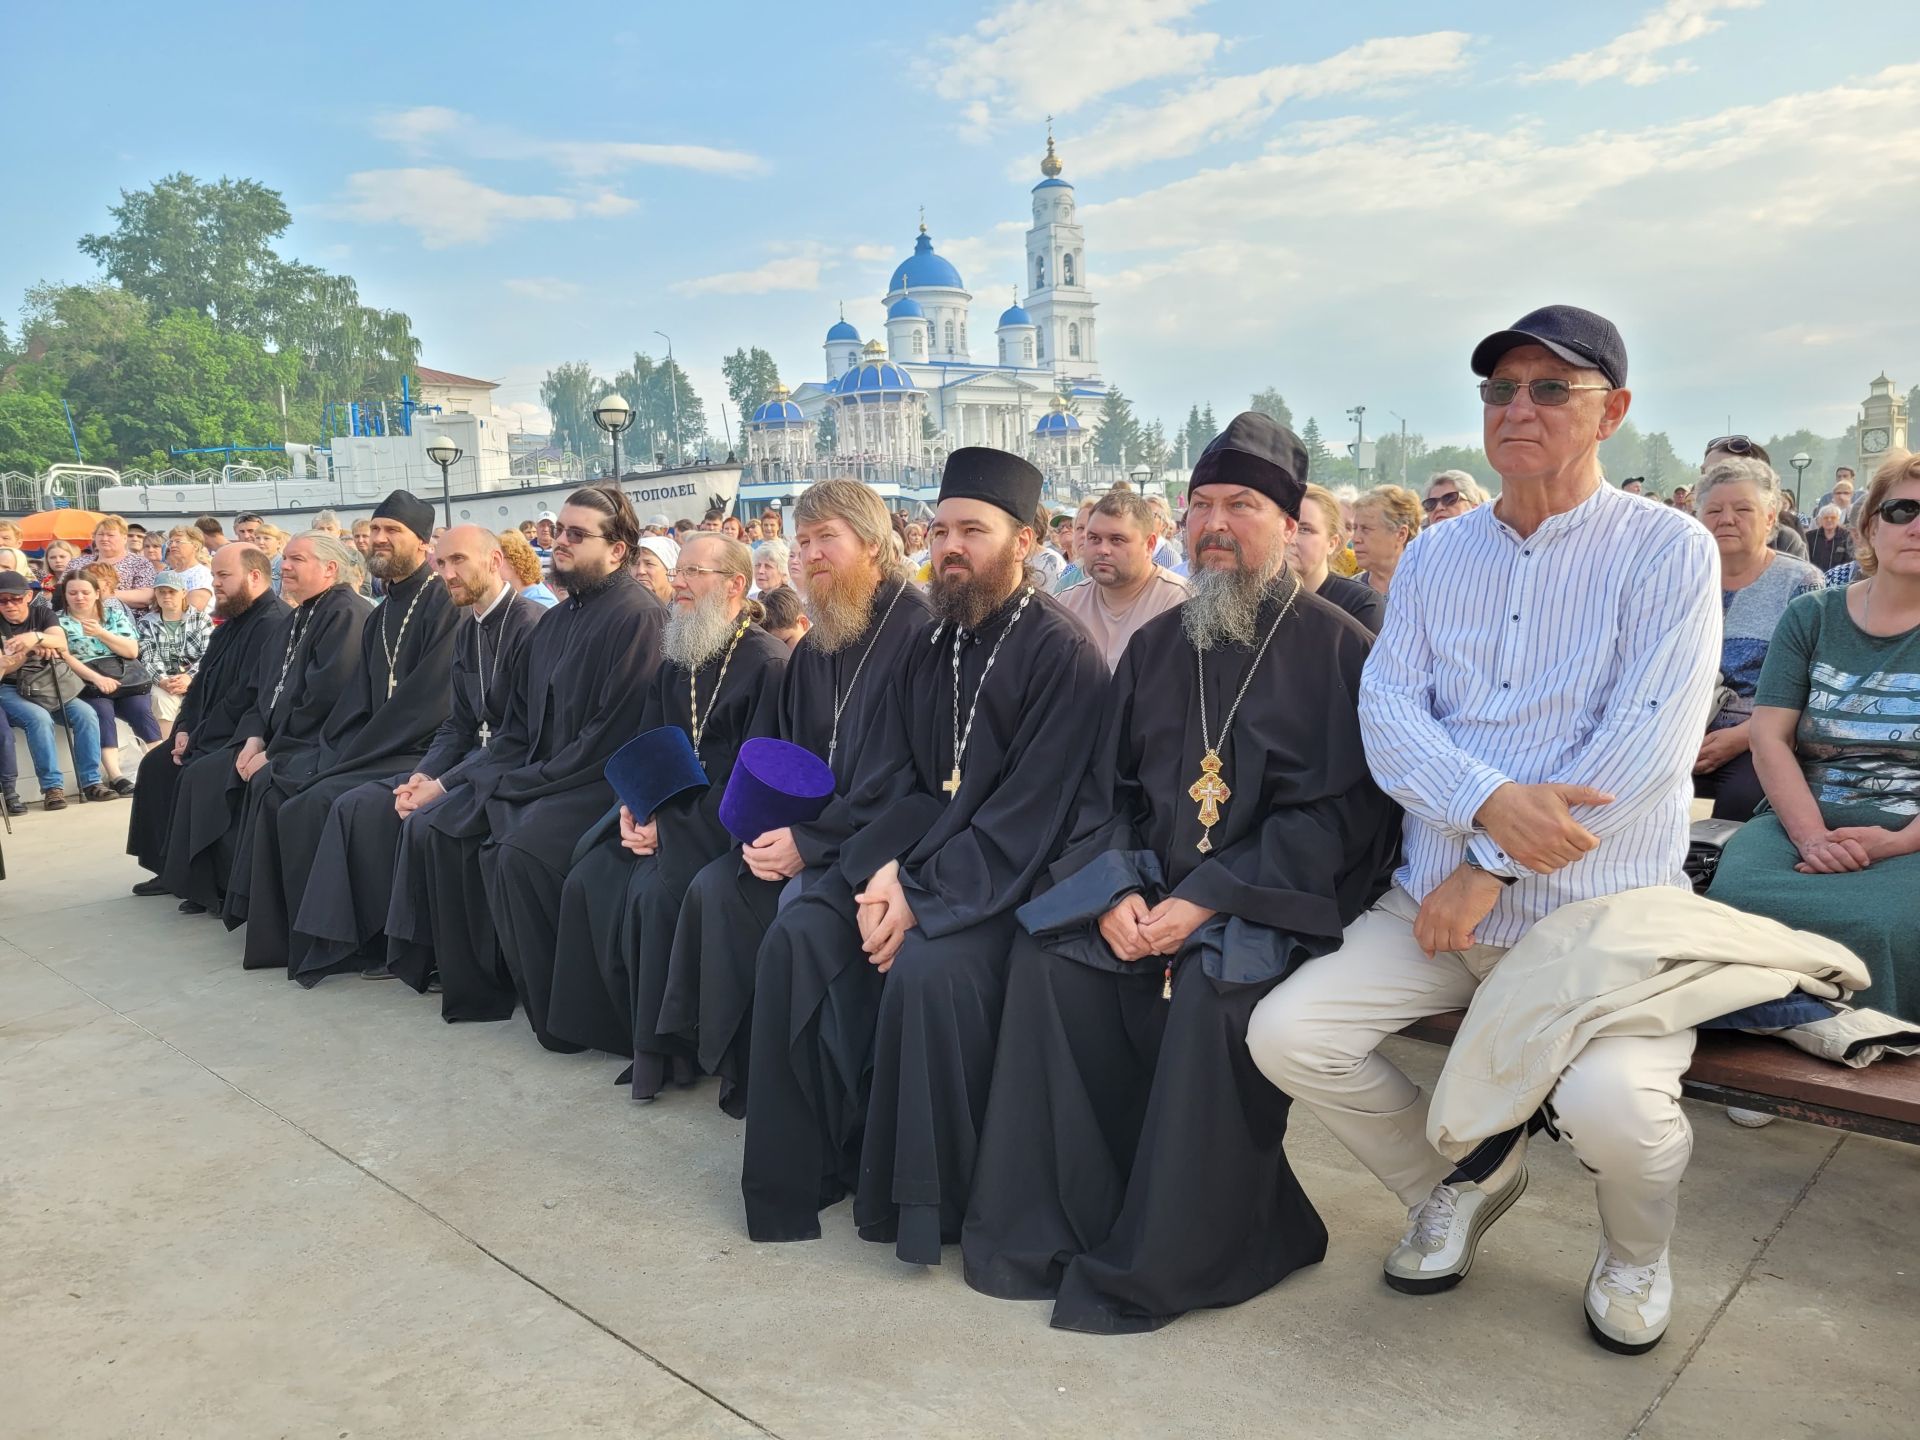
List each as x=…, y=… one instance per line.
x=1315, y=442
x=1268, y=402
x=570, y=392
x=32, y=428
x=826, y=432
x=1199, y=431
x=1118, y=439
x=1153, y=447
x=751, y=378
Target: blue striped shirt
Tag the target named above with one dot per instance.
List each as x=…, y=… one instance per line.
x=1585, y=653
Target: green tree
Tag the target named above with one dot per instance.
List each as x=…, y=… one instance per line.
x=33, y=431
x=1314, y=441
x=1397, y=464
x=826, y=432
x=1153, y=447
x=671, y=410
x=751, y=377
x=1663, y=467
x=1268, y=402
x=570, y=392
x=1118, y=439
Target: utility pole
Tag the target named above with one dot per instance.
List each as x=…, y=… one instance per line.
x=1358, y=414
x=673, y=389
x=1403, y=444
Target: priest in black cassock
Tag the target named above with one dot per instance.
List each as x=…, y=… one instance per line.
x=222, y=692
x=542, y=781
x=891, y=968
x=350, y=885
x=1132, y=1164
x=607, y=963
x=304, y=666
x=383, y=721
x=866, y=616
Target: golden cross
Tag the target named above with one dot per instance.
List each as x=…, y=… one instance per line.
x=952, y=783
x=1210, y=790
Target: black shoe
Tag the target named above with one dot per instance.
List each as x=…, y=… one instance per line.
x=192, y=907
x=15, y=805
x=378, y=972
x=98, y=792
x=154, y=886
x=434, y=987
x=121, y=786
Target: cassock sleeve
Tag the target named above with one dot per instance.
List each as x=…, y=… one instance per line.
x=515, y=630
x=332, y=663
x=988, y=867
x=401, y=724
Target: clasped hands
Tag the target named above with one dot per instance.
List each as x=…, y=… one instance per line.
x=773, y=856
x=638, y=838
x=1851, y=847
x=1134, y=930
x=251, y=759
x=416, y=792
x=884, y=916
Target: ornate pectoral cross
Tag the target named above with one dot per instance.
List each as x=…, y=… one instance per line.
x=952, y=783
x=1210, y=790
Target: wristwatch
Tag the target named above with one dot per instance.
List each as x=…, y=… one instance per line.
x=1473, y=863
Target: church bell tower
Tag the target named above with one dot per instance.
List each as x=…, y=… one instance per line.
x=1058, y=299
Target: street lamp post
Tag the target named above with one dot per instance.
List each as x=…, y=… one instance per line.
x=673, y=394
x=1403, y=443
x=1799, y=463
x=614, y=416
x=443, y=452
x=1358, y=414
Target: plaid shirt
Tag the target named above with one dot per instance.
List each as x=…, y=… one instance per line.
x=176, y=648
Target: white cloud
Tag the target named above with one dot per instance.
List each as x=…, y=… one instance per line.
x=417, y=129
x=1237, y=104
x=798, y=272
x=444, y=206
x=612, y=157
x=546, y=288
x=428, y=128
x=1631, y=55
x=1034, y=57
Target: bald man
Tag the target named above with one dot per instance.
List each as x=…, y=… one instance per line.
x=342, y=916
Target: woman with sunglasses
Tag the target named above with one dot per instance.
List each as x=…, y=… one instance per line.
x=1739, y=503
x=1836, y=747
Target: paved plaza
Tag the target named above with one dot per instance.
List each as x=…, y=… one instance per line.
x=231, y=1207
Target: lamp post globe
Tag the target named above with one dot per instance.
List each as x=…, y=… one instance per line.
x=1800, y=462
x=443, y=452
x=614, y=416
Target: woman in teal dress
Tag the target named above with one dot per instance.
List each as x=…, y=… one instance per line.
x=1836, y=742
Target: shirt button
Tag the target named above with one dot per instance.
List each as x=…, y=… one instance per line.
x=1505, y=685
x=1526, y=552
x=1516, y=617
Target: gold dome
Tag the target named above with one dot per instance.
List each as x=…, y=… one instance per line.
x=1050, y=166
x=875, y=350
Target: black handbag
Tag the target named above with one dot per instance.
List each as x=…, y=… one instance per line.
x=130, y=673
x=48, y=683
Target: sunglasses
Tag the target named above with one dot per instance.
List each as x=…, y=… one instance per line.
x=1439, y=502
x=1500, y=393
x=1732, y=444
x=574, y=535
x=1899, y=512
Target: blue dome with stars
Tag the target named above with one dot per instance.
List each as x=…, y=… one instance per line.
x=924, y=267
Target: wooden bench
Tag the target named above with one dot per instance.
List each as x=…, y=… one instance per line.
x=1756, y=1072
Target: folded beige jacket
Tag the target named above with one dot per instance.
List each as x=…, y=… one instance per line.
x=1644, y=962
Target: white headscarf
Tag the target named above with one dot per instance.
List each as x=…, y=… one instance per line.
x=667, y=550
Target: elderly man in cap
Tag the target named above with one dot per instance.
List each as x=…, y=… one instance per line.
x=888, y=971
x=1535, y=703
x=1132, y=1165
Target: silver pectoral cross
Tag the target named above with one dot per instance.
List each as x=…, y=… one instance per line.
x=486, y=734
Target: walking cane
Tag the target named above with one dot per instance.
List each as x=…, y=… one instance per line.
x=60, y=709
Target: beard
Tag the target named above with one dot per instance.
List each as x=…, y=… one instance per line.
x=392, y=565
x=1222, y=606
x=968, y=597
x=840, y=604
x=696, y=634
x=232, y=607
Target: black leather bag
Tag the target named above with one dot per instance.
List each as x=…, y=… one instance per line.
x=132, y=675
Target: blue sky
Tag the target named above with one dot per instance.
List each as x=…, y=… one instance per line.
x=1334, y=200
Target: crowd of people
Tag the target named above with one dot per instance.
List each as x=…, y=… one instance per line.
x=1115, y=836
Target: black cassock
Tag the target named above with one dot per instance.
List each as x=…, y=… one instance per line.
x=708, y=998
x=343, y=913
x=607, y=964
x=878, y=1084
x=387, y=714
x=1132, y=1162
x=542, y=782
x=303, y=667
x=222, y=692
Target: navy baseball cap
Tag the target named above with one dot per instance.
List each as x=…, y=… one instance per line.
x=1577, y=336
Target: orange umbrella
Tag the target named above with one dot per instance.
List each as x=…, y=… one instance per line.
x=74, y=526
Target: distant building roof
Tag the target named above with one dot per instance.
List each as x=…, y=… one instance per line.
x=447, y=377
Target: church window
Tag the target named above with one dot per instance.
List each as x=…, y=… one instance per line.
x=963, y=337
x=1043, y=347
x=1066, y=269
x=949, y=333
x=1029, y=349
x=918, y=348
x=1073, y=341
x=1039, y=272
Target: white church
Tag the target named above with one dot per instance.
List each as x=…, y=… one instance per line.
x=1016, y=390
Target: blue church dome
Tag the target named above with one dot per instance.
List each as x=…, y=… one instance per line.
x=777, y=412
x=923, y=267
x=843, y=331
x=1056, y=423
x=905, y=308
x=875, y=378
x=1015, y=314
x=1052, y=182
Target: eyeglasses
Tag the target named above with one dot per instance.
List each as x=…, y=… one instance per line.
x=1732, y=444
x=574, y=535
x=1500, y=393
x=1439, y=502
x=692, y=570
x=1899, y=512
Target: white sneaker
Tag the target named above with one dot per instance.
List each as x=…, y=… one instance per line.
x=1444, y=1232
x=1751, y=1119
x=1628, y=1306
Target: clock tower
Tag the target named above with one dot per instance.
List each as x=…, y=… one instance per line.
x=1883, y=427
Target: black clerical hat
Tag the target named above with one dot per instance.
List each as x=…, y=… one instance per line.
x=1256, y=451
x=410, y=510
x=999, y=477
x=1577, y=336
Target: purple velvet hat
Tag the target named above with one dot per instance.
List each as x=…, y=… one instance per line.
x=652, y=768
x=774, y=784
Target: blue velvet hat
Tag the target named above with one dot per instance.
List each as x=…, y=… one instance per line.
x=652, y=768
x=774, y=784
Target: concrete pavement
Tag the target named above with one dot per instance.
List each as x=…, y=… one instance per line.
x=231, y=1207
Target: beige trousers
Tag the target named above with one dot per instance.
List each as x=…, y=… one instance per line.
x=166, y=708
x=1317, y=1036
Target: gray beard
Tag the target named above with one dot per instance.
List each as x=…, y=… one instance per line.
x=388, y=567
x=695, y=636
x=1222, y=607
x=838, y=618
